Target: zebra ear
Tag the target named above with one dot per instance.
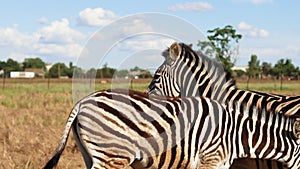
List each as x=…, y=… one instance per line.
x=174, y=51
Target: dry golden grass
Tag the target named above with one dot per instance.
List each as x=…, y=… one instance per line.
x=32, y=118
x=32, y=121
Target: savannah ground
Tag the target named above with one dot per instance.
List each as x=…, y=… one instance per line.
x=33, y=114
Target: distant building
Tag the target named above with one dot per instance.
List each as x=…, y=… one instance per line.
x=139, y=74
x=38, y=72
x=242, y=68
x=48, y=66
x=22, y=74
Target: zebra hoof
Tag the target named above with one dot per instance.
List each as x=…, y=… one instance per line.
x=296, y=129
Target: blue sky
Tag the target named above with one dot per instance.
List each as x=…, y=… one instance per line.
x=59, y=31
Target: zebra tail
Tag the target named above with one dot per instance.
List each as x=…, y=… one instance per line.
x=63, y=142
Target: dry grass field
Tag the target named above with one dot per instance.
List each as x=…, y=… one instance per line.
x=33, y=115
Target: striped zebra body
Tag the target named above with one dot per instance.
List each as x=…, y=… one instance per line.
x=187, y=73
x=128, y=129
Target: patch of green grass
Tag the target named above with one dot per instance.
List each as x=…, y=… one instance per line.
x=30, y=95
x=290, y=88
x=26, y=94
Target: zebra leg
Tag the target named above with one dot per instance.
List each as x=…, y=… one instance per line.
x=296, y=128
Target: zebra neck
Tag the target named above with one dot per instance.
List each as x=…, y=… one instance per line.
x=200, y=82
x=201, y=76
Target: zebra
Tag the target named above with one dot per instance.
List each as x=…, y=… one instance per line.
x=189, y=73
x=131, y=129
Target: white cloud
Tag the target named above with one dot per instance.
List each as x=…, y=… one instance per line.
x=192, y=6
x=263, y=33
x=96, y=17
x=261, y=1
x=251, y=31
x=59, y=32
x=12, y=37
x=256, y=2
x=57, y=39
x=123, y=30
x=244, y=26
x=42, y=20
x=146, y=42
x=68, y=50
x=136, y=25
x=19, y=56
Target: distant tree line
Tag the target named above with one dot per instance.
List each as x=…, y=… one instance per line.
x=284, y=68
x=58, y=70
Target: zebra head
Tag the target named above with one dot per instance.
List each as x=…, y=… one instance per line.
x=165, y=81
x=186, y=72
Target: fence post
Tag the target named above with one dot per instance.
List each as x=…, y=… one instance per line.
x=48, y=83
x=281, y=79
x=3, y=81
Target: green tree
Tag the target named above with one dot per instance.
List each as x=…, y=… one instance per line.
x=121, y=73
x=57, y=70
x=254, y=69
x=34, y=63
x=91, y=73
x=239, y=73
x=266, y=68
x=11, y=65
x=136, y=68
x=284, y=68
x=278, y=68
x=105, y=72
x=2, y=67
x=79, y=72
x=290, y=69
x=224, y=41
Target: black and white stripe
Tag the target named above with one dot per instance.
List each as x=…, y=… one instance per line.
x=189, y=73
x=128, y=129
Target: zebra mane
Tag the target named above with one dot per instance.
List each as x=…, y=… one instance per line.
x=220, y=80
x=209, y=63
